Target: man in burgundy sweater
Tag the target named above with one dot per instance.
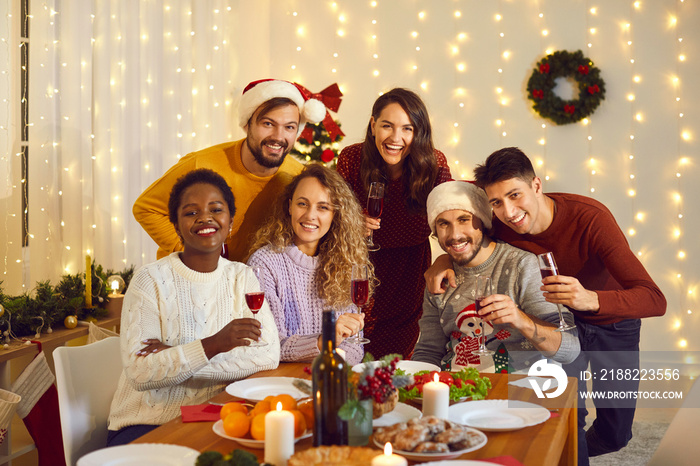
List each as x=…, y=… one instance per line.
x=600, y=280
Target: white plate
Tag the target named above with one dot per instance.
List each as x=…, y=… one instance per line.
x=257, y=389
x=410, y=367
x=401, y=413
x=441, y=456
x=153, y=454
x=218, y=429
x=498, y=415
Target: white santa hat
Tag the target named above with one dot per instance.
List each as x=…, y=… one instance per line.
x=458, y=195
x=259, y=92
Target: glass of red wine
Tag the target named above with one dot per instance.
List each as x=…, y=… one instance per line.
x=359, y=291
x=375, y=204
x=548, y=268
x=483, y=291
x=255, y=300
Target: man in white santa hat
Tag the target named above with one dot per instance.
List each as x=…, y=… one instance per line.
x=521, y=322
x=273, y=113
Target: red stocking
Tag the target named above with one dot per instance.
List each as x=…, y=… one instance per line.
x=39, y=410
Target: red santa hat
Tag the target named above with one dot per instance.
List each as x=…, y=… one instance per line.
x=259, y=92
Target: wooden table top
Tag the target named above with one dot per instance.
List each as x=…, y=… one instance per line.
x=549, y=443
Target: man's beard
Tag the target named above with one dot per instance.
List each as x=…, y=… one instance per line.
x=268, y=162
x=465, y=260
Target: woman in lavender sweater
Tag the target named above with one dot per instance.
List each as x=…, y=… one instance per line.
x=305, y=252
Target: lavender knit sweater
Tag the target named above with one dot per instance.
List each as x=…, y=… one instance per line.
x=288, y=281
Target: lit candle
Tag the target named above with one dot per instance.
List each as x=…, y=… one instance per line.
x=436, y=398
x=388, y=458
x=279, y=436
x=88, y=282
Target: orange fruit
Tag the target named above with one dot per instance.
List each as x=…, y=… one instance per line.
x=288, y=402
x=299, y=423
x=257, y=427
x=260, y=407
x=236, y=424
x=231, y=407
x=307, y=409
x=269, y=398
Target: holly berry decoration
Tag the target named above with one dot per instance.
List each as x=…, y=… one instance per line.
x=563, y=64
x=70, y=322
x=379, y=385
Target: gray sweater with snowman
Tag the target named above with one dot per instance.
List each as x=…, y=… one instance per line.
x=513, y=272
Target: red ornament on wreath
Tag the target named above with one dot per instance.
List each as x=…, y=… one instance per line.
x=563, y=64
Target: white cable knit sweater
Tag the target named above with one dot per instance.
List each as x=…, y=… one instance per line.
x=179, y=306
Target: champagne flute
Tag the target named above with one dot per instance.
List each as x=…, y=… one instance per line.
x=255, y=300
x=359, y=291
x=483, y=291
x=548, y=268
x=375, y=204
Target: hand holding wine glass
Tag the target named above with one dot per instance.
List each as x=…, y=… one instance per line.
x=548, y=268
x=255, y=300
x=359, y=291
x=375, y=205
x=483, y=291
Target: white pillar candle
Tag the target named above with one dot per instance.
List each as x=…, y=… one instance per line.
x=279, y=436
x=436, y=398
x=388, y=458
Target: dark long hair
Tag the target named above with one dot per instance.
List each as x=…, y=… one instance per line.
x=420, y=169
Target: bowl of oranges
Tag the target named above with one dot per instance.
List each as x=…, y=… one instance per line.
x=245, y=423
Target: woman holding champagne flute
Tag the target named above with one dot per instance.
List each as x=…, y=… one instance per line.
x=306, y=253
x=397, y=152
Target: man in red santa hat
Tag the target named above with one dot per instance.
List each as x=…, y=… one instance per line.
x=273, y=113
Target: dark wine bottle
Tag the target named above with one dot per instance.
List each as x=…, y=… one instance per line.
x=330, y=389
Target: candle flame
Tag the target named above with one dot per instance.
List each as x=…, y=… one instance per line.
x=436, y=378
x=279, y=406
x=387, y=449
x=115, y=285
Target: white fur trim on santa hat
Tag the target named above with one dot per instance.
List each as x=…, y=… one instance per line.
x=311, y=110
x=458, y=195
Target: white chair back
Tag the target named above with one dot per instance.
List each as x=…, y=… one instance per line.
x=86, y=379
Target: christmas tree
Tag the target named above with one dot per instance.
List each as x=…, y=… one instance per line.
x=317, y=144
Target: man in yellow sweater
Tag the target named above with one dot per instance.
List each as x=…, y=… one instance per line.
x=273, y=113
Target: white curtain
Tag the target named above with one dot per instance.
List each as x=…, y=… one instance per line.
x=119, y=90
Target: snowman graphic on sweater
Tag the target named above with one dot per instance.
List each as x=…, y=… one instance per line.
x=473, y=329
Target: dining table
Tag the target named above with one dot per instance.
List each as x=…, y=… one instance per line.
x=552, y=442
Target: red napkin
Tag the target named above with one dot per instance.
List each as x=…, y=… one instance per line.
x=199, y=413
x=504, y=460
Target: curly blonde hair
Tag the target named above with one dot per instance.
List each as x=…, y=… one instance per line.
x=341, y=248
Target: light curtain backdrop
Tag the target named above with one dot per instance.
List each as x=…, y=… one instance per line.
x=120, y=89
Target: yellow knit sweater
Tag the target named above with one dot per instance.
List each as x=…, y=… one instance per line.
x=253, y=194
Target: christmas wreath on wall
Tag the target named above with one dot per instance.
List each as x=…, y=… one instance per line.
x=563, y=64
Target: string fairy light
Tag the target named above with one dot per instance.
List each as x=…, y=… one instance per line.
x=591, y=30
x=629, y=159
x=6, y=45
x=686, y=290
x=502, y=101
x=541, y=163
x=458, y=93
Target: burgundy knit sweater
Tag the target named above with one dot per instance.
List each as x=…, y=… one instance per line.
x=588, y=244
